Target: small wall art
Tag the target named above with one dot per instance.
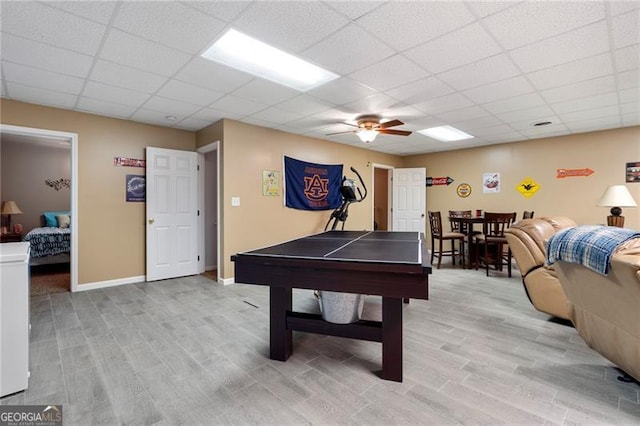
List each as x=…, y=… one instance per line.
x=136, y=188
x=633, y=172
x=491, y=182
x=270, y=183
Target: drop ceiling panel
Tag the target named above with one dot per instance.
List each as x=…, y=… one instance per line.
x=35, y=77
x=39, y=22
x=572, y=72
x=347, y=50
x=476, y=65
x=503, y=89
x=214, y=76
x=415, y=22
x=420, y=90
x=189, y=93
x=99, y=11
x=461, y=47
x=110, y=109
x=114, y=94
x=39, y=55
x=169, y=23
x=126, y=77
x=489, y=70
x=581, y=43
x=41, y=96
x=625, y=30
x=528, y=22
x=341, y=91
x=274, y=22
x=126, y=49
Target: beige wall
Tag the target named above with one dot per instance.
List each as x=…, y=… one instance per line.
x=24, y=168
x=111, y=231
x=605, y=152
x=261, y=220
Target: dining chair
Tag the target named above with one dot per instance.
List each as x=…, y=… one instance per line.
x=492, y=241
x=527, y=214
x=435, y=223
x=462, y=228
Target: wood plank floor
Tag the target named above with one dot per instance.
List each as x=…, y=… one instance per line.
x=189, y=351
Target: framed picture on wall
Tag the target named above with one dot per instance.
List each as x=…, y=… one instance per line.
x=135, y=188
x=633, y=172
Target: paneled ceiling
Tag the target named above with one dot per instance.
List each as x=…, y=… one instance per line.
x=491, y=69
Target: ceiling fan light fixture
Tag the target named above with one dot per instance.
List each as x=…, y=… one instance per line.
x=367, y=135
x=446, y=133
x=247, y=54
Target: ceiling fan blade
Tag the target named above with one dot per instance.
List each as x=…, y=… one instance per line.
x=395, y=132
x=341, y=133
x=391, y=123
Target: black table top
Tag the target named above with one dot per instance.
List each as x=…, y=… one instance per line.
x=354, y=246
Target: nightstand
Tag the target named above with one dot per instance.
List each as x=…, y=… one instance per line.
x=10, y=238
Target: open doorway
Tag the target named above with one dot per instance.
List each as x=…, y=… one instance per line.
x=209, y=212
x=56, y=265
x=382, y=197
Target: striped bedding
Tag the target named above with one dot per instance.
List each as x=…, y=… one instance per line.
x=48, y=241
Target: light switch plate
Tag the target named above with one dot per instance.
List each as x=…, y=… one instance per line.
x=235, y=201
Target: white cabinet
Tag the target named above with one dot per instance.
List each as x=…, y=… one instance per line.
x=14, y=317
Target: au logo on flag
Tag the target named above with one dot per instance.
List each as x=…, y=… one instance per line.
x=310, y=186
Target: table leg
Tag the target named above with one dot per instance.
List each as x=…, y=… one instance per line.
x=281, y=339
x=392, y=339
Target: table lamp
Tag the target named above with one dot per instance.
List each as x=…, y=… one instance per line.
x=616, y=196
x=8, y=208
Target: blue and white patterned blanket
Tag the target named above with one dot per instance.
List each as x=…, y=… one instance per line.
x=588, y=245
x=48, y=241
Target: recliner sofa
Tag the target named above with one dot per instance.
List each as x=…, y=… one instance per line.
x=605, y=310
x=527, y=240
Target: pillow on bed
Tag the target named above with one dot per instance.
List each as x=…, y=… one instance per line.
x=50, y=218
x=64, y=220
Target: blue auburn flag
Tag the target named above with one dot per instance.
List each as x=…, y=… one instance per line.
x=310, y=186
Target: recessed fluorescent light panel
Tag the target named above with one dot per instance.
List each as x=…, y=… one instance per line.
x=445, y=133
x=240, y=51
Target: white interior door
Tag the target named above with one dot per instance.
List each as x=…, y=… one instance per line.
x=172, y=213
x=409, y=199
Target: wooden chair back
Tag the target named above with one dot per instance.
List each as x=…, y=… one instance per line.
x=496, y=223
x=527, y=214
x=457, y=226
x=435, y=223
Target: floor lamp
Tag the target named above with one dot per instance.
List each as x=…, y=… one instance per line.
x=616, y=196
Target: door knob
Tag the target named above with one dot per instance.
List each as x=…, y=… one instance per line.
x=422, y=215
x=151, y=221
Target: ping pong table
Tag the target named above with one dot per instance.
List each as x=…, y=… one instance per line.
x=394, y=265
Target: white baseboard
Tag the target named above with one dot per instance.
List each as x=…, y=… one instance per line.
x=226, y=281
x=110, y=283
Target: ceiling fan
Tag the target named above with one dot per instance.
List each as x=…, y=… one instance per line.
x=369, y=126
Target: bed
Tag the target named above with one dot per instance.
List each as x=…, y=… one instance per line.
x=50, y=244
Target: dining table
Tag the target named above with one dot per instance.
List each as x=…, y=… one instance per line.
x=468, y=223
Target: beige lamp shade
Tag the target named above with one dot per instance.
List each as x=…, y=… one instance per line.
x=10, y=207
x=616, y=196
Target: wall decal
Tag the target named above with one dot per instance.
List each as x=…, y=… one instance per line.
x=128, y=162
x=57, y=184
x=527, y=187
x=491, y=182
x=431, y=181
x=463, y=190
x=563, y=173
